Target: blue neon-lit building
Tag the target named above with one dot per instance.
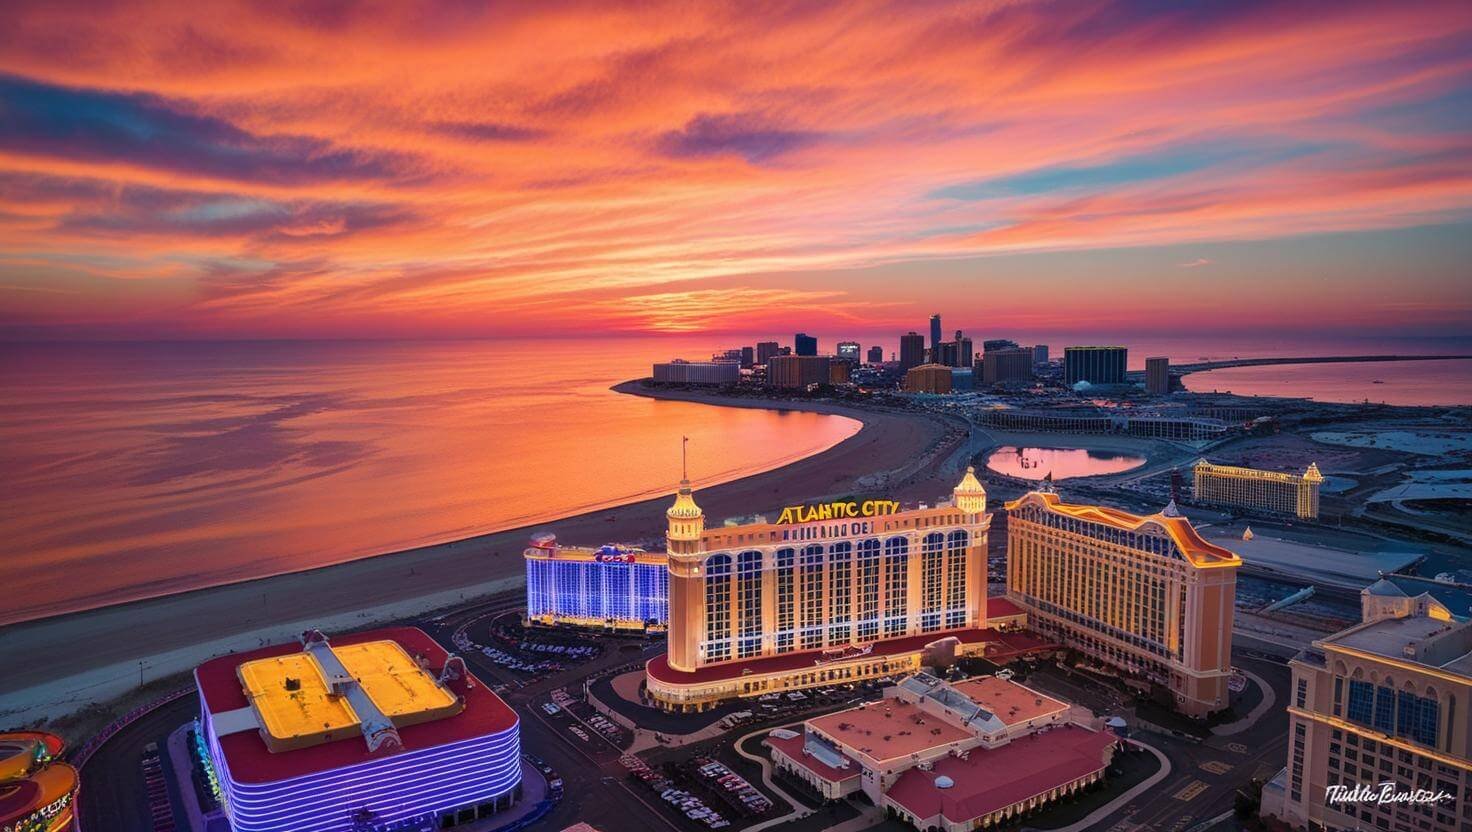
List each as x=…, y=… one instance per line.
x=420, y=747
x=611, y=587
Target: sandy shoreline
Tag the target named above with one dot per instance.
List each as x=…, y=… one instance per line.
x=56, y=665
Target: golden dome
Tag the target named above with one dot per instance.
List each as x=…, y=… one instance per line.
x=970, y=484
x=684, y=507
x=970, y=496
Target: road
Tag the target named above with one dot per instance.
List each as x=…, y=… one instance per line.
x=113, y=797
x=1205, y=776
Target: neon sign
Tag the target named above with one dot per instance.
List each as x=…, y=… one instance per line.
x=838, y=510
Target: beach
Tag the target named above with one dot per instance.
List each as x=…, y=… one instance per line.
x=55, y=666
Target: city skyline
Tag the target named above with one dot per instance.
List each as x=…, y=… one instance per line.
x=670, y=170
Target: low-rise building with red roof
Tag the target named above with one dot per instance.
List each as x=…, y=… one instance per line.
x=948, y=755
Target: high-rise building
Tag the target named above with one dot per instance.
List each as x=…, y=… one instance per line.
x=1157, y=376
x=1381, y=708
x=839, y=372
x=765, y=350
x=1271, y=491
x=849, y=351
x=876, y=354
x=1006, y=366
x=680, y=371
x=1147, y=595
x=1040, y=354
x=834, y=591
x=1095, y=365
x=928, y=378
x=748, y=358
x=804, y=344
x=934, y=334
x=797, y=371
x=912, y=350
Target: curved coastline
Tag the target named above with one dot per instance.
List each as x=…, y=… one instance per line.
x=60, y=664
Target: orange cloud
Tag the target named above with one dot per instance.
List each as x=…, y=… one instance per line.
x=274, y=169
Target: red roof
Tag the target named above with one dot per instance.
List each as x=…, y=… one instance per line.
x=990, y=780
x=792, y=747
x=251, y=762
x=659, y=666
x=1002, y=607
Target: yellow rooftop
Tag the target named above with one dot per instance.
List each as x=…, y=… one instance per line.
x=297, y=706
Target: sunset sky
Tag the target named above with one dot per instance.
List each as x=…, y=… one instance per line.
x=214, y=169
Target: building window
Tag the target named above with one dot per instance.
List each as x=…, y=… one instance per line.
x=749, y=587
x=718, y=608
x=1301, y=697
x=1361, y=702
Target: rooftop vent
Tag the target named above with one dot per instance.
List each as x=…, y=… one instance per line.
x=293, y=683
x=944, y=782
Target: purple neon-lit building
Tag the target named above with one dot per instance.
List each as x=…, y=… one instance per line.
x=370, y=733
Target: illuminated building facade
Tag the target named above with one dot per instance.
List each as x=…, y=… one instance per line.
x=1146, y=595
x=1095, y=365
x=611, y=587
x=1383, y=702
x=38, y=793
x=928, y=378
x=831, y=592
x=797, y=371
x=377, y=730
x=698, y=372
x=1271, y=491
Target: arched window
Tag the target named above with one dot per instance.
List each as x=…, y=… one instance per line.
x=811, y=591
x=896, y=586
x=955, y=612
x=718, y=607
x=840, y=593
x=932, y=566
x=867, y=569
x=786, y=581
x=749, y=604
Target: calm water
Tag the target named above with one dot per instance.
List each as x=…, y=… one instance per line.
x=1400, y=382
x=133, y=469
x=1062, y=463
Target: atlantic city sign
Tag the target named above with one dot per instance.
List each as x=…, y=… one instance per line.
x=838, y=510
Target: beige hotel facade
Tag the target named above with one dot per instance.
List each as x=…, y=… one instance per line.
x=833, y=592
x=1144, y=594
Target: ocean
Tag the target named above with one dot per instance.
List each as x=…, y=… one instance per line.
x=135, y=469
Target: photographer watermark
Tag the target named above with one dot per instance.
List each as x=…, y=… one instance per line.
x=1381, y=793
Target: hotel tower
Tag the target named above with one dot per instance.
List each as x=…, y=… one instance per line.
x=1273, y=491
x=1146, y=595
x=831, y=592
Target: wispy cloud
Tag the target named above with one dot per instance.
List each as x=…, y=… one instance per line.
x=623, y=167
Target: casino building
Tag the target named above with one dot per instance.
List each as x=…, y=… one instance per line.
x=1146, y=595
x=379, y=730
x=37, y=793
x=608, y=588
x=835, y=592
